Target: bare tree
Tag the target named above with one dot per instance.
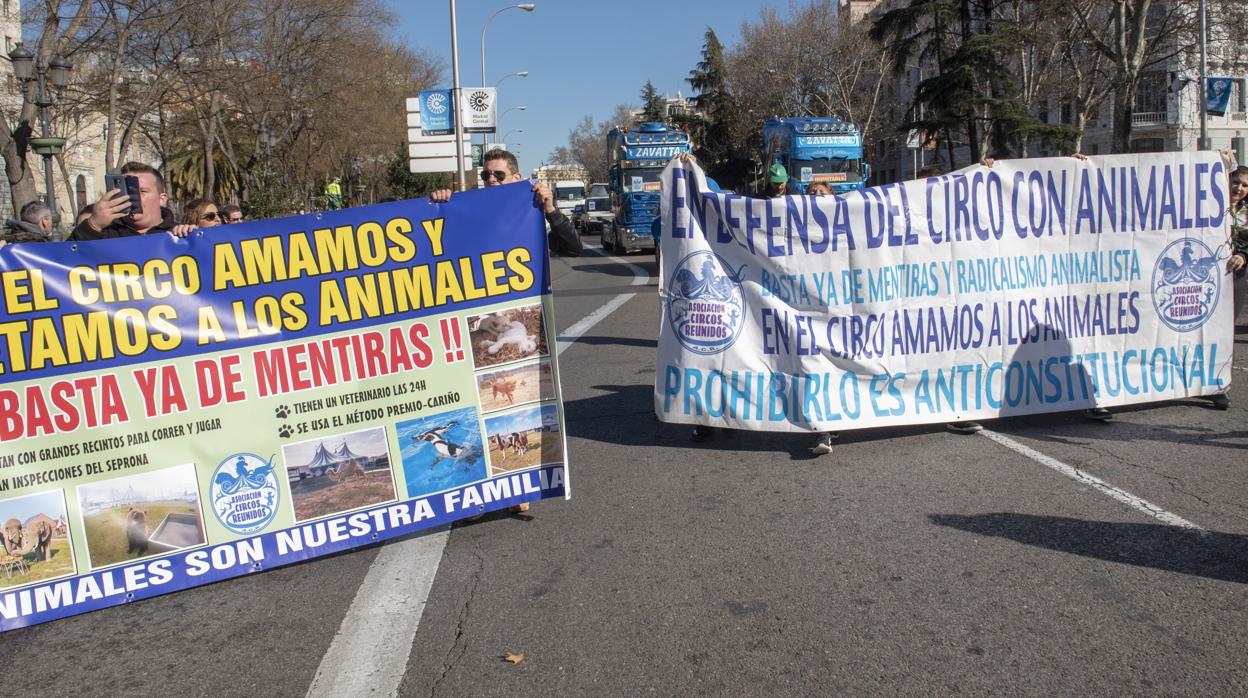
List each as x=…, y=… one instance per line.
x=59, y=24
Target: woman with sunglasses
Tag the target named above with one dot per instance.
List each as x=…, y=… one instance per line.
x=201, y=213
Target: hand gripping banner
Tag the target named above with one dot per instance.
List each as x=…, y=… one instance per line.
x=1032, y=286
x=174, y=412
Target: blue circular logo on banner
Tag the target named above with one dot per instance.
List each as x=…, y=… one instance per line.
x=245, y=492
x=1186, y=284
x=705, y=303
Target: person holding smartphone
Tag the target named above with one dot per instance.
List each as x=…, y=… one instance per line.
x=113, y=216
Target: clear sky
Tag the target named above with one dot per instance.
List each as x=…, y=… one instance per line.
x=583, y=56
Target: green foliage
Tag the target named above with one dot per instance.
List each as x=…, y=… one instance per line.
x=712, y=132
x=270, y=199
x=186, y=177
x=405, y=185
x=651, y=104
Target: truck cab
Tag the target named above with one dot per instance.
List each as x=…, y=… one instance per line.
x=816, y=149
x=568, y=195
x=635, y=160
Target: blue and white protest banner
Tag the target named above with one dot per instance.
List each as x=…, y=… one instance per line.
x=437, y=113
x=177, y=411
x=1032, y=286
x=1217, y=95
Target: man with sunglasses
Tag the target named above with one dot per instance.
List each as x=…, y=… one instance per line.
x=501, y=167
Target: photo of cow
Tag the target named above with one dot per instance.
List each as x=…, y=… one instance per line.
x=517, y=385
x=524, y=439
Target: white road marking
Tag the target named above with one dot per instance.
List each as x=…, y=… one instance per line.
x=1141, y=505
x=369, y=653
x=570, y=335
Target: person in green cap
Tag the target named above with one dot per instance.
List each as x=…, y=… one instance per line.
x=333, y=193
x=777, y=181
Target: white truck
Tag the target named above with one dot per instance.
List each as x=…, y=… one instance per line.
x=569, y=193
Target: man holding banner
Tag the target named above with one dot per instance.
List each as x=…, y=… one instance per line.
x=1034, y=286
x=501, y=167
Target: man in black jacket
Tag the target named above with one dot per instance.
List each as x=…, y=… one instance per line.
x=501, y=167
x=111, y=217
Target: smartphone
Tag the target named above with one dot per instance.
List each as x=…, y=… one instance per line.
x=128, y=185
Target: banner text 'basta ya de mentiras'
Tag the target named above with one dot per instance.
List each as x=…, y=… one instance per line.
x=178, y=411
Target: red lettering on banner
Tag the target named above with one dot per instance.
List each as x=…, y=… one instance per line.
x=294, y=367
x=88, y=402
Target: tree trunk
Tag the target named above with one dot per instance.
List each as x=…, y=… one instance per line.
x=1124, y=111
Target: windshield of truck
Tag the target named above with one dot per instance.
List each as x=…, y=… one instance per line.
x=827, y=170
x=569, y=193
x=598, y=205
x=646, y=179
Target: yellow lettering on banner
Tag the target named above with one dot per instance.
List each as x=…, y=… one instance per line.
x=402, y=246
x=227, y=272
x=372, y=242
x=337, y=246
x=333, y=307
x=45, y=346
x=263, y=260
x=414, y=283
x=209, y=326
x=448, y=283
x=165, y=335
x=88, y=337
x=433, y=230
x=13, y=332
x=517, y=261
x=361, y=302
x=471, y=291
x=124, y=282
x=489, y=263
x=20, y=283
x=294, y=317
x=302, y=260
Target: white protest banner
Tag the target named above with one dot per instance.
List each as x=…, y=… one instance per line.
x=1033, y=286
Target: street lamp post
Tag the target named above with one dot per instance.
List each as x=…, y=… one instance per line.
x=505, y=113
x=514, y=130
x=527, y=7
x=27, y=70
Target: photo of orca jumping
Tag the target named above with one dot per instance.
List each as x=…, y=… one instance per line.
x=437, y=437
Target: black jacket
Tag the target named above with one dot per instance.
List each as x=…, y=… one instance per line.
x=119, y=228
x=21, y=231
x=562, y=237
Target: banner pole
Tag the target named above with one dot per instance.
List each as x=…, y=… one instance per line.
x=1204, y=82
x=455, y=101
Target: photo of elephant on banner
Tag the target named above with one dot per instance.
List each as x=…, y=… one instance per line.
x=35, y=539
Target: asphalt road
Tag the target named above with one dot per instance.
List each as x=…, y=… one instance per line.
x=908, y=561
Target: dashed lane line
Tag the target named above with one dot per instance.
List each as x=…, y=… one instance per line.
x=369, y=653
x=1115, y=493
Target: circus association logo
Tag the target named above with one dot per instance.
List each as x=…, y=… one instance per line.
x=705, y=303
x=1186, y=284
x=245, y=492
